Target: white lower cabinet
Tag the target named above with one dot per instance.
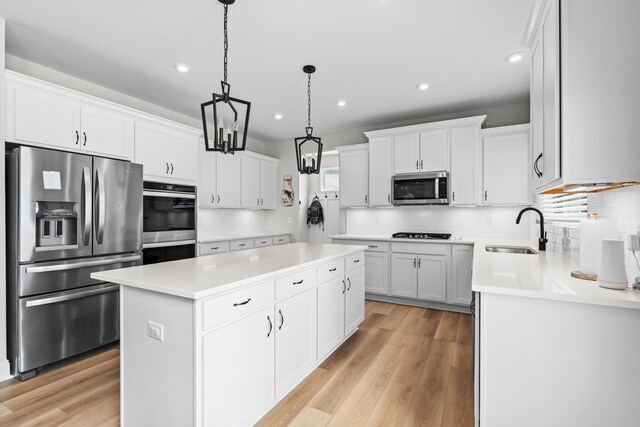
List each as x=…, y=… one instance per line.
x=459, y=291
x=432, y=277
x=238, y=370
x=404, y=275
x=331, y=323
x=354, y=310
x=377, y=272
x=421, y=275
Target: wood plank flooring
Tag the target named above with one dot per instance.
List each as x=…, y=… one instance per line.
x=405, y=366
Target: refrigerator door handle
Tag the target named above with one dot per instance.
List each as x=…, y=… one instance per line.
x=86, y=206
x=81, y=264
x=100, y=206
x=72, y=296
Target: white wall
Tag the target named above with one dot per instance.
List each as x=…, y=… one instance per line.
x=216, y=222
x=503, y=115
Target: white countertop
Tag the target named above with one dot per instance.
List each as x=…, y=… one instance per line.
x=387, y=238
x=239, y=236
x=547, y=276
x=211, y=274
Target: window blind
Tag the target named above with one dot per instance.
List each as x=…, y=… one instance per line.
x=330, y=179
x=563, y=207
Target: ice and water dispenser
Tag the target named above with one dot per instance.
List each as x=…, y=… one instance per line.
x=56, y=225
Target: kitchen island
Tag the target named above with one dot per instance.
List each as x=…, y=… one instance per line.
x=551, y=350
x=220, y=339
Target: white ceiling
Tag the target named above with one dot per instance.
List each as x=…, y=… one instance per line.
x=372, y=53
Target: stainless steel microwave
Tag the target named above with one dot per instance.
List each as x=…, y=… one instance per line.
x=430, y=188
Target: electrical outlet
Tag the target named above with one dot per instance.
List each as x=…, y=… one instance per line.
x=633, y=242
x=155, y=330
x=289, y=220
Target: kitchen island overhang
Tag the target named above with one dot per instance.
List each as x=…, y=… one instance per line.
x=220, y=339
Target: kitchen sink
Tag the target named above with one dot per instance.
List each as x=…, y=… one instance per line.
x=511, y=250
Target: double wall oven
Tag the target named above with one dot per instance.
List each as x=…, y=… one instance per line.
x=169, y=222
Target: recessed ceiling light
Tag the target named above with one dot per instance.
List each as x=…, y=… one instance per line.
x=277, y=116
x=341, y=103
x=183, y=68
x=423, y=86
x=514, y=57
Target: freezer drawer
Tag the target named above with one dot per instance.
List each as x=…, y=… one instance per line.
x=55, y=326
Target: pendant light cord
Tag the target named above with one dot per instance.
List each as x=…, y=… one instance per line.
x=226, y=42
x=309, y=100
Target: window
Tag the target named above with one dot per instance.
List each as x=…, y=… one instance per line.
x=330, y=179
x=563, y=207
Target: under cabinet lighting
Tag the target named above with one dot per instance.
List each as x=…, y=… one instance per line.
x=514, y=57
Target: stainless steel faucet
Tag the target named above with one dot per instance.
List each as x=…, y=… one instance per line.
x=542, y=241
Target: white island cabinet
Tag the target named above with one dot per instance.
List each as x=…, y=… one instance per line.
x=219, y=340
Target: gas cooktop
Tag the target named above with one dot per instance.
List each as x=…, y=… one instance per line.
x=422, y=236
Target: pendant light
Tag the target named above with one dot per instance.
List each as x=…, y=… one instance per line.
x=225, y=135
x=314, y=165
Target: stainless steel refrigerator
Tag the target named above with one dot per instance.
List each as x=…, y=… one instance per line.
x=68, y=215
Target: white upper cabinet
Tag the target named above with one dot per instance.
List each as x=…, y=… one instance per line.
x=250, y=182
x=106, y=132
x=354, y=173
x=505, y=165
x=228, y=180
x=207, y=196
x=466, y=164
x=434, y=151
x=268, y=184
x=380, y=171
x=166, y=154
x=406, y=153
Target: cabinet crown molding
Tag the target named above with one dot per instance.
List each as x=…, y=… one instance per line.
x=506, y=130
x=534, y=18
x=354, y=147
x=423, y=127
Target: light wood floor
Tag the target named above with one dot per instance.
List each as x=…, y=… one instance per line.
x=404, y=366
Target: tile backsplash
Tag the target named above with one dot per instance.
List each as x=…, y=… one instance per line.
x=485, y=222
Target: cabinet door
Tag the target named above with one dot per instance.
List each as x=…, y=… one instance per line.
x=465, y=166
x=182, y=156
x=505, y=165
x=537, y=112
x=380, y=172
x=46, y=118
x=238, y=371
x=152, y=150
x=377, y=273
x=106, y=132
x=434, y=151
x=268, y=185
x=331, y=323
x=354, y=313
x=206, y=178
x=228, y=177
x=432, y=277
x=250, y=182
x=404, y=275
x=354, y=177
x=549, y=165
x=406, y=153
x=462, y=261
x=295, y=340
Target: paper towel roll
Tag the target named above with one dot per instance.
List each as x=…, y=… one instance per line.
x=612, y=273
x=592, y=233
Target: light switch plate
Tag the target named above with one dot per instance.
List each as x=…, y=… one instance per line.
x=633, y=242
x=155, y=330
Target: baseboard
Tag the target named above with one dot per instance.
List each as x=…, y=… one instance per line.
x=5, y=371
x=419, y=303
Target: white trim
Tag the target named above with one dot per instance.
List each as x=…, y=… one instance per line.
x=445, y=124
x=506, y=130
x=354, y=147
x=533, y=21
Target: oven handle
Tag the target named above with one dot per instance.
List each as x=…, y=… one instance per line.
x=169, y=194
x=166, y=244
x=69, y=297
x=437, y=188
x=83, y=264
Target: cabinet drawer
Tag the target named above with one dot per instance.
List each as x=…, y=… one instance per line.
x=377, y=246
x=218, y=310
x=265, y=241
x=354, y=261
x=330, y=270
x=281, y=240
x=238, y=245
x=214, y=248
x=294, y=283
x=420, y=248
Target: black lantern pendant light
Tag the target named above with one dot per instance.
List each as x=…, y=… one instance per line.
x=314, y=165
x=225, y=140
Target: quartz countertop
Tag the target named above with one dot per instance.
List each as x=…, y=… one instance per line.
x=239, y=236
x=546, y=275
x=208, y=275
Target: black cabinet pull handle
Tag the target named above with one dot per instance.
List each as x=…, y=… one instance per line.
x=421, y=163
x=414, y=262
x=258, y=201
x=366, y=198
x=485, y=195
x=454, y=196
x=356, y=261
x=333, y=269
x=536, y=168
x=242, y=303
x=417, y=165
x=242, y=244
x=85, y=138
x=77, y=137
x=167, y=171
x=217, y=247
x=213, y=198
x=218, y=198
x=344, y=287
x=373, y=246
x=349, y=280
x=270, y=326
x=297, y=283
x=171, y=168
x=263, y=242
x=419, y=263
x=281, y=319
x=389, y=198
